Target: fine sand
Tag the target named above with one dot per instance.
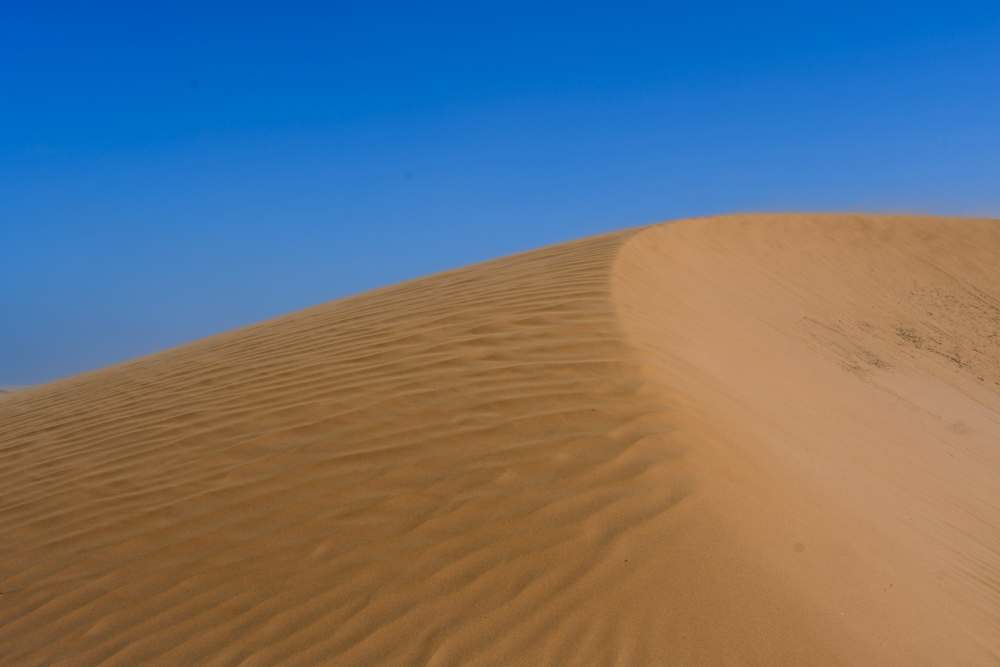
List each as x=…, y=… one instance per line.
x=768, y=440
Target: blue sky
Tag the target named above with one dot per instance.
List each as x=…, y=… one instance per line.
x=171, y=172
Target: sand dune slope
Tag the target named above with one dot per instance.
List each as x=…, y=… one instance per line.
x=747, y=440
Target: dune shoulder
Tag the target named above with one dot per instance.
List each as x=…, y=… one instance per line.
x=746, y=439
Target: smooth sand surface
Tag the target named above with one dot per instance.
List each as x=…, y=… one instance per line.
x=769, y=440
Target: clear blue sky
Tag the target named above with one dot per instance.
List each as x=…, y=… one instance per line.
x=171, y=172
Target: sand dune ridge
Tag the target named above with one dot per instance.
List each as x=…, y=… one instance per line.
x=753, y=439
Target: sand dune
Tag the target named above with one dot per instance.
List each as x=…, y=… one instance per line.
x=744, y=440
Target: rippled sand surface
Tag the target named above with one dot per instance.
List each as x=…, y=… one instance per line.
x=740, y=440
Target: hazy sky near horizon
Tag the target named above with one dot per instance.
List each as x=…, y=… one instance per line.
x=174, y=171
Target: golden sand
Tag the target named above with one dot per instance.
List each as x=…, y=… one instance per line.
x=756, y=440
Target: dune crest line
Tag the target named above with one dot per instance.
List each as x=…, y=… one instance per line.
x=749, y=439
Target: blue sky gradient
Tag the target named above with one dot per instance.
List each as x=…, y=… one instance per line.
x=171, y=172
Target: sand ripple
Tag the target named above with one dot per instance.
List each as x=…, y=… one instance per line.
x=734, y=440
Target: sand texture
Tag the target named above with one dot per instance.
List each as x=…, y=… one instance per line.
x=766, y=440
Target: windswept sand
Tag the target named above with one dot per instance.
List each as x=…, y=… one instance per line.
x=769, y=440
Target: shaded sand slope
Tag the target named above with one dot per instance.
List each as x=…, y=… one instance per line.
x=758, y=439
x=440, y=470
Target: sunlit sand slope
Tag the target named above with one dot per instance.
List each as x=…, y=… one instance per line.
x=749, y=440
x=842, y=378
